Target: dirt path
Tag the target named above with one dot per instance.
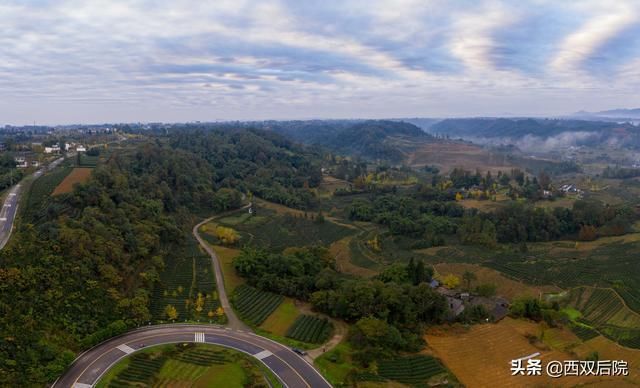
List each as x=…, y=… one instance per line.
x=233, y=321
x=339, y=333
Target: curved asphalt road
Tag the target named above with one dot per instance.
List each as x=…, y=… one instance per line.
x=292, y=370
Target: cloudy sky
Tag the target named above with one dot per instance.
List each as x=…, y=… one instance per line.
x=110, y=61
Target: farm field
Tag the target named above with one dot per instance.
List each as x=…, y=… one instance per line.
x=276, y=231
x=77, y=175
x=85, y=160
x=410, y=370
x=41, y=189
x=505, y=287
x=310, y=329
x=609, y=350
x=481, y=356
x=448, y=154
x=341, y=252
x=186, y=276
x=282, y=318
x=605, y=311
x=188, y=365
x=253, y=305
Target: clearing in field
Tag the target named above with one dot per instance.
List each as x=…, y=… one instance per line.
x=505, y=287
x=188, y=365
x=77, y=175
x=449, y=154
x=282, y=318
x=481, y=355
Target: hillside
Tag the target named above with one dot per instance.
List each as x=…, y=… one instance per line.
x=371, y=139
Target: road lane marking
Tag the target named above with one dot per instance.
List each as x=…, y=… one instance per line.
x=199, y=337
x=82, y=385
x=125, y=348
x=223, y=334
x=263, y=354
x=7, y=205
x=3, y=218
x=12, y=194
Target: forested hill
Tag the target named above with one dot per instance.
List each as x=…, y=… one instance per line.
x=372, y=139
x=516, y=128
x=86, y=269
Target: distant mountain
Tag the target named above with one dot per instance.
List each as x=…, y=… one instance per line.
x=515, y=128
x=613, y=113
x=538, y=135
x=372, y=139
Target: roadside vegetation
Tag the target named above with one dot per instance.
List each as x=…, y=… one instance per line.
x=188, y=365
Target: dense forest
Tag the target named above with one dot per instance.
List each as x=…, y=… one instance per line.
x=399, y=301
x=86, y=270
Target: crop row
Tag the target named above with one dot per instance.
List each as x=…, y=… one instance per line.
x=584, y=332
x=601, y=306
x=308, y=328
x=40, y=191
x=410, y=370
x=141, y=370
x=255, y=305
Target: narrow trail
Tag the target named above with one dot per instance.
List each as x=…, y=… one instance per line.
x=233, y=321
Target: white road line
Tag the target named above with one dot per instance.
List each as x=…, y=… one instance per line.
x=199, y=337
x=536, y=354
x=3, y=218
x=12, y=194
x=82, y=385
x=263, y=354
x=125, y=348
x=7, y=205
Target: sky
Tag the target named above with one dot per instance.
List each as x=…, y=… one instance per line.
x=145, y=61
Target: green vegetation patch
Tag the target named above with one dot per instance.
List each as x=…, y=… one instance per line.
x=188, y=365
x=40, y=190
x=268, y=229
x=187, y=284
x=308, y=328
x=255, y=305
x=410, y=370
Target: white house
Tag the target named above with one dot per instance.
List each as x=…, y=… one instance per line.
x=21, y=162
x=54, y=148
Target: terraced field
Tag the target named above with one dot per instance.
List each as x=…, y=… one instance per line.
x=187, y=365
x=254, y=305
x=40, y=190
x=411, y=370
x=604, y=311
x=310, y=329
x=276, y=231
x=185, y=276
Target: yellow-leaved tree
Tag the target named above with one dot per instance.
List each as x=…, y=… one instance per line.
x=451, y=281
x=171, y=312
x=227, y=236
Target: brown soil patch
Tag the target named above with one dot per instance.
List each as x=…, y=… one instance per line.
x=77, y=175
x=481, y=357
